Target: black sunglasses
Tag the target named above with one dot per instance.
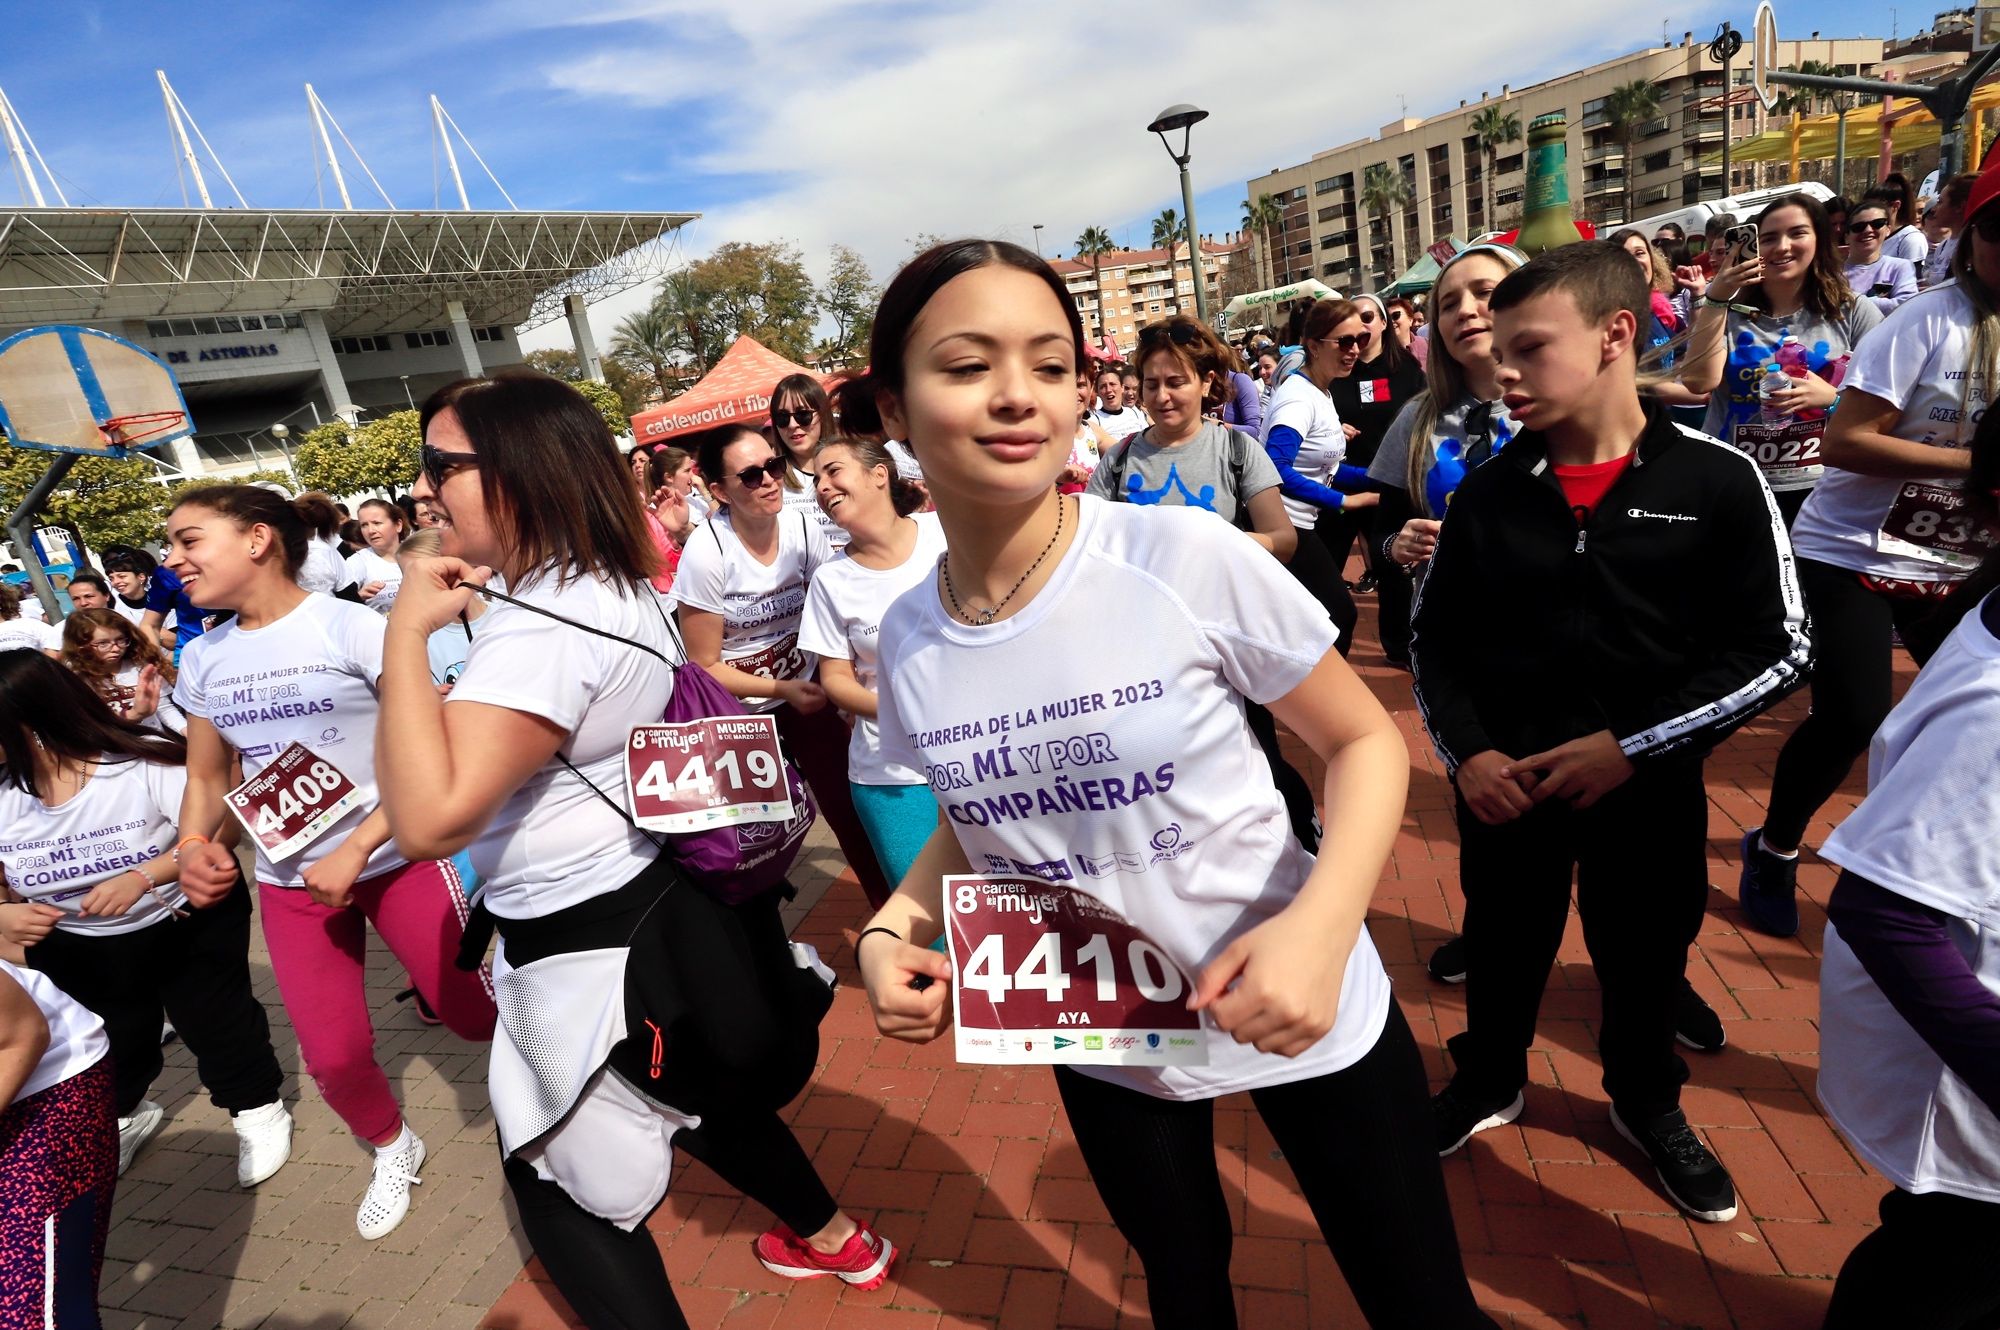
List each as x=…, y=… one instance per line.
x=750, y=477
x=1877, y=224
x=1395, y=316
x=1180, y=334
x=784, y=419
x=437, y=464
x=1351, y=340
x=1988, y=228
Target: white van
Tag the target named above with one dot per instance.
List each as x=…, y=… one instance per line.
x=1693, y=218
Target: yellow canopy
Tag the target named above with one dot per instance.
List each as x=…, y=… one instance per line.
x=1911, y=127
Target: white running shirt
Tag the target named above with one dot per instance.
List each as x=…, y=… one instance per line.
x=124, y=815
x=1323, y=443
x=365, y=566
x=1118, y=694
x=760, y=603
x=76, y=1035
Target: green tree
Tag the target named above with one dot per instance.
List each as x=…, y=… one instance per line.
x=686, y=305
x=379, y=455
x=1495, y=128
x=1385, y=192
x=556, y=363
x=1093, y=244
x=924, y=240
x=608, y=403
x=1262, y=218
x=1629, y=106
x=649, y=342
x=111, y=501
x=848, y=298
x=761, y=291
x=1167, y=236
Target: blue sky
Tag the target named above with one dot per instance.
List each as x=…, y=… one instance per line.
x=817, y=121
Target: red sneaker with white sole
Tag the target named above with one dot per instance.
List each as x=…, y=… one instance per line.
x=864, y=1262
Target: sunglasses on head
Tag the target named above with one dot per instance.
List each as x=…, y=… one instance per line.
x=1180, y=334
x=750, y=477
x=784, y=419
x=437, y=464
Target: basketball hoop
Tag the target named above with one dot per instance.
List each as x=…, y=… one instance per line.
x=125, y=431
x=1764, y=54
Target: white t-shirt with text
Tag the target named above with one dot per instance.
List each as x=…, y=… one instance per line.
x=365, y=566
x=843, y=620
x=1098, y=738
x=1297, y=402
x=29, y=634
x=760, y=603
x=76, y=1034
x=308, y=678
x=124, y=815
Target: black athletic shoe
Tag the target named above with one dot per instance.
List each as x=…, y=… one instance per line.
x=1694, y=1179
x=1695, y=1022
x=424, y=1012
x=1366, y=584
x=1460, y=1116
x=1447, y=964
x=1768, y=888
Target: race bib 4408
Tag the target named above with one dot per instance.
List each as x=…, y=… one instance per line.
x=293, y=801
x=1044, y=973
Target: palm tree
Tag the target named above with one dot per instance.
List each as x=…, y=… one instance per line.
x=1167, y=236
x=1385, y=192
x=1263, y=217
x=1629, y=106
x=687, y=305
x=649, y=341
x=1495, y=127
x=1095, y=243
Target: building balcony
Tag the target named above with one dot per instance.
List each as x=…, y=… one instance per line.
x=1610, y=184
x=1605, y=152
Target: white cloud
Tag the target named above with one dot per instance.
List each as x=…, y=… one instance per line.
x=880, y=122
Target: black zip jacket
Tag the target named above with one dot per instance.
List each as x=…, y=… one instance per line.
x=1670, y=617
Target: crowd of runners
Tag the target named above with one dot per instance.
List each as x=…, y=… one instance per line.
x=1610, y=504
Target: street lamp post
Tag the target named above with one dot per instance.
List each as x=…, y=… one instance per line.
x=406, y=392
x=282, y=432
x=1038, y=240
x=1184, y=118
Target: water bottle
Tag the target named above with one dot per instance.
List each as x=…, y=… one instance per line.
x=1775, y=379
x=1792, y=356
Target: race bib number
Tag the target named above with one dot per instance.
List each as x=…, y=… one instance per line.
x=1786, y=452
x=780, y=660
x=1044, y=973
x=698, y=774
x=1929, y=521
x=293, y=801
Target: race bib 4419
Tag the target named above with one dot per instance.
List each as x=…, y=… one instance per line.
x=1044, y=973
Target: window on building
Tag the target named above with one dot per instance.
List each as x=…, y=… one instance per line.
x=489, y=335
x=1296, y=195
x=252, y=322
x=228, y=323
x=429, y=337
x=1329, y=242
x=158, y=328
x=291, y=321
x=1326, y=186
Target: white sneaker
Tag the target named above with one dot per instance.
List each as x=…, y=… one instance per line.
x=263, y=1142
x=135, y=1131
x=388, y=1198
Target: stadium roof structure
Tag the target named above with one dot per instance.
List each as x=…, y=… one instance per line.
x=369, y=271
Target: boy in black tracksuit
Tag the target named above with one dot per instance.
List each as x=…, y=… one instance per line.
x=1610, y=597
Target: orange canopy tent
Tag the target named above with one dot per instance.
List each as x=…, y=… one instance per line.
x=736, y=392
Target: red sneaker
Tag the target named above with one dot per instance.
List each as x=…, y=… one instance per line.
x=864, y=1262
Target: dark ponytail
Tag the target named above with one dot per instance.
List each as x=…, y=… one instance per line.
x=1982, y=504
x=248, y=505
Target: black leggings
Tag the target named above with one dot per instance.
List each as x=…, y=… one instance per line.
x=1359, y=1142
x=1853, y=680
x=1293, y=788
x=1320, y=575
x=1928, y=1267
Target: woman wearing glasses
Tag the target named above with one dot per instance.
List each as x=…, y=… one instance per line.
x=1405, y=329
x=801, y=413
x=741, y=590
x=293, y=678
x=1882, y=279
x=1884, y=537
x=1303, y=435
x=87, y=815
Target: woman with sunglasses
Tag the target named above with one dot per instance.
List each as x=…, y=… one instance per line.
x=1406, y=329
x=1882, y=279
x=1785, y=305
x=1885, y=536
x=802, y=415
x=1383, y=381
x=1906, y=239
x=134, y=677
x=741, y=590
x=87, y=813
x=640, y=1014
x=1303, y=435
x=294, y=675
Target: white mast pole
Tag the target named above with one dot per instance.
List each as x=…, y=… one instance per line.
x=181, y=137
x=319, y=124
x=450, y=157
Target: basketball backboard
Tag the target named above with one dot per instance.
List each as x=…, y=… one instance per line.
x=66, y=389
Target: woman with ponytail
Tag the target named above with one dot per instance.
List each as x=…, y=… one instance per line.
x=293, y=680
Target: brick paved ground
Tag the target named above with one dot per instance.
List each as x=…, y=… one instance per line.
x=973, y=1171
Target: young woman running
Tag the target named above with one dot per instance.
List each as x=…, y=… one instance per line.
x=87, y=845
x=638, y=1014
x=802, y=415
x=58, y=1154
x=1793, y=289
x=1302, y=433
x=1910, y=974
x=372, y=569
x=976, y=345
x=1906, y=239
x=1882, y=538
x=133, y=677
x=294, y=676
x=1385, y=379
x=741, y=589
x=890, y=548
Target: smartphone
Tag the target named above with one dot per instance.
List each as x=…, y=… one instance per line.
x=1741, y=240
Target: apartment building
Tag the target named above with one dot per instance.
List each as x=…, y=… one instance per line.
x=1140, y=288
x=1328, y=232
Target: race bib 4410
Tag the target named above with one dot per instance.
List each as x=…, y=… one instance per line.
x=293, y=801
x=1044, y=973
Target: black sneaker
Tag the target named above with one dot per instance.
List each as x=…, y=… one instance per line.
x=1695, y=1022
x=1459, y=1116
x=1367, y=583
x=1769, y=888
x=1694, y=1179
x=1448, y=962
x=424, y=1012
